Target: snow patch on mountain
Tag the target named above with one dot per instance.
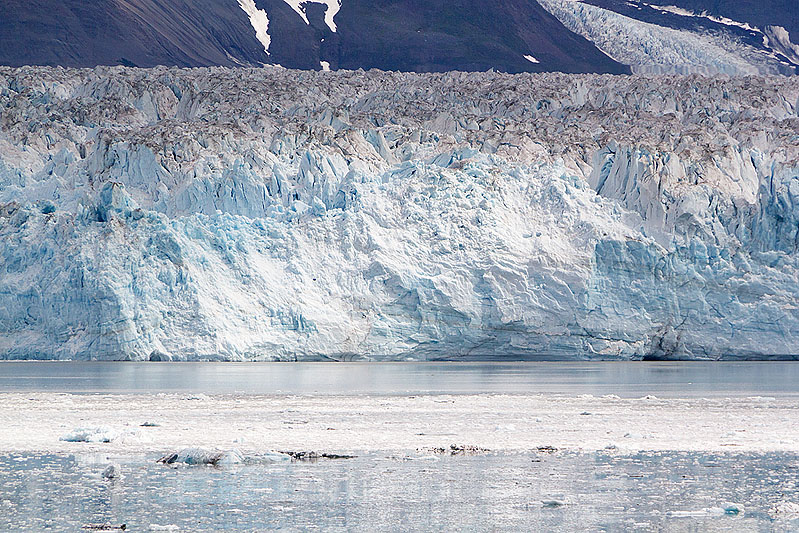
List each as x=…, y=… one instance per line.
x=333, y=7
x=259, y=21
x=649, y=48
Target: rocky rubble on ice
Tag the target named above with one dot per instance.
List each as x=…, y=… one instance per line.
x=274, y=214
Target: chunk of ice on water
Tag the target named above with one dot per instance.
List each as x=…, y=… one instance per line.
x=784, y=510
x=112, y=471
x=91, y=434
x=728, y=509
x=199, y=456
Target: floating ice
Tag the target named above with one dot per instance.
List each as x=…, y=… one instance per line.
x=784, y=511
x=552, y=504
x=199, y=456
x=112, y=471
x=91, y=434
x=197, y=397
x=729, y=509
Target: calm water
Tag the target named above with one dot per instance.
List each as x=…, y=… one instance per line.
x=670, y=491
x=626, y=379
x=589, y=492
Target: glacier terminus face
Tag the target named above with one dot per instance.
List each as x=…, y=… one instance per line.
x=270, y=214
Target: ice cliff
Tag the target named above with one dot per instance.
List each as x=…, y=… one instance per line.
x=276, y=214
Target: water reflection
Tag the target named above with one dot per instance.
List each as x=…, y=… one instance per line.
x=588, y=492
x=631, y=379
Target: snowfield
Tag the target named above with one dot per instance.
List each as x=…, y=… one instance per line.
x=214, y=214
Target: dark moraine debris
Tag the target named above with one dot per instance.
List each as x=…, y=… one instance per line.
x=546, y=449
x=312, y=457
x=457, y=449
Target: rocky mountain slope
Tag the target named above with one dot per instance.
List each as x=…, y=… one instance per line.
x=276, y=214
x=408, y=35
x=601, y=36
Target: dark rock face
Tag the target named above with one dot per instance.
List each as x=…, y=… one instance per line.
x=77, y=33
x=472, y=35
x=408, y=35
x=405, y=35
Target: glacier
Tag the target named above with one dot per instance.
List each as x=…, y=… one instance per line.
x=271, y=214
x=652, y=49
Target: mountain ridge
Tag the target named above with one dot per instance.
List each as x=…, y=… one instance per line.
x=409, y=35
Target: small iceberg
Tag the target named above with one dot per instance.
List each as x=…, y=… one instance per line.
x=199, y=456
x=728, y=509
x=552, y=504
x=95, y=434
x=784, y=511
x=112, y=471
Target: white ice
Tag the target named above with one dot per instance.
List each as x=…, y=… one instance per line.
x=201, y=456
x=785, y=510
x=112, y=471
x=255, y=424
x=718, y=19
x=91, y=434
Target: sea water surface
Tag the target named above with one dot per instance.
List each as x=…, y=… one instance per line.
x=543, y=490
x=625, y=379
